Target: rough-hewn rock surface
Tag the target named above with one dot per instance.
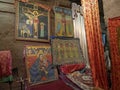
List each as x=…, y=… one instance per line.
x=111, y=9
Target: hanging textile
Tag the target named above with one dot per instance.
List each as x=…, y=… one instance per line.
x=94, y=41
x=79, y=29
x=5, y=64
x=114, y=36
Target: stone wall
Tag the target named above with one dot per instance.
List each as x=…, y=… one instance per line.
x=111, y=9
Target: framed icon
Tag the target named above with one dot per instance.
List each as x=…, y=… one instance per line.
x=66, y=51
x=39, y=65
x=63, y=22
x=32, y=22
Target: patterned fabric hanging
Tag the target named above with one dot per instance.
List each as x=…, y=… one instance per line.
x=5, y=64
x=79, y=29
x=94, y=40
x=114, y=36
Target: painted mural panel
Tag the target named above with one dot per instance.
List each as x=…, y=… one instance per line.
x=32, y=22
x=66, y=51
x=63, y=22
x=39, y=64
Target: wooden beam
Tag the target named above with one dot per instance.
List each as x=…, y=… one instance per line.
x=6, y=2
x=7, y=12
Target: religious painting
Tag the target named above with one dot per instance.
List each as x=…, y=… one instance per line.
x=63, y=22
x=66, y=51
x=32, y=22
x=39, y=65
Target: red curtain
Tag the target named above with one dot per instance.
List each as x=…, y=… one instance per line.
x=114, y=36
x=5, y=64
x=94, y=40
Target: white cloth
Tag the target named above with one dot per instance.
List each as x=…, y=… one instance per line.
x=107, y=60
x=79, y=30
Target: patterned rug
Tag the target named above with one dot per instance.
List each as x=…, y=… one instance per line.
x=83, y=80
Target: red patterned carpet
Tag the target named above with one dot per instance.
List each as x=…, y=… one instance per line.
x=55, y=85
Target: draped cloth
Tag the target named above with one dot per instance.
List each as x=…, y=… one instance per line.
x=5, y=64
x=79, y=29
x=94, y=41
x=114, y=38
